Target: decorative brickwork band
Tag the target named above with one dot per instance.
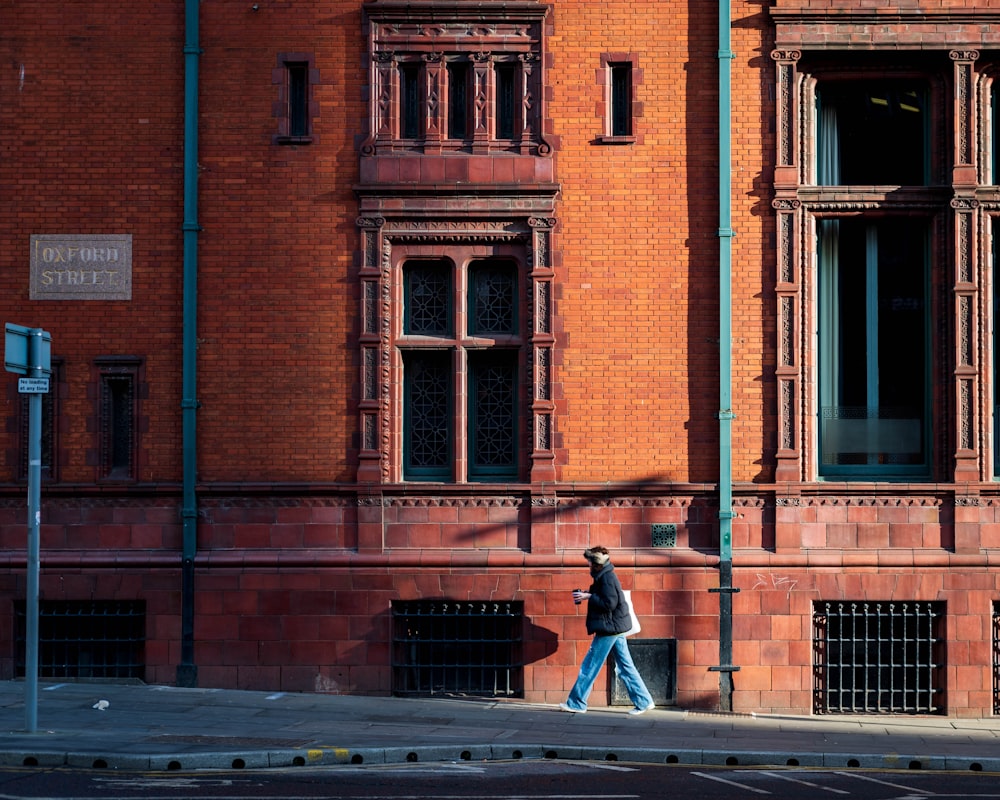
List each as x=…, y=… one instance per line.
x=964, y=107
x=966, y=332
x=965, y=415
x=788, y=310
x=542, y=456
x=370, y=382
x=543, y=378
x=374, y=322
x=786, y=415
x=785, y=81
x=543, y=433
x=786, y=340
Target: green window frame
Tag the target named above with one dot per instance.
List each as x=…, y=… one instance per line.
x=493, y=413
x=874, y=348
x=461, y=371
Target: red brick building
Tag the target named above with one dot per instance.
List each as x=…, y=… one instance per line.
x=368, y=317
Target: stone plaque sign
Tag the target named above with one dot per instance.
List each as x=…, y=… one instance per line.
x=81, y=266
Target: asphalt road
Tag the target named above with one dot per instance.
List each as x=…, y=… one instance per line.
x=499, y=780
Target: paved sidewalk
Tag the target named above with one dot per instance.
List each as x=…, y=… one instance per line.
x=167, y=728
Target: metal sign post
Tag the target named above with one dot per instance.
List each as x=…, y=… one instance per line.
x=28, y=352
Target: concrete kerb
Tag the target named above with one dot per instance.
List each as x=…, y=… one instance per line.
x=33, y=758
x=331, y=756
x=966, y=764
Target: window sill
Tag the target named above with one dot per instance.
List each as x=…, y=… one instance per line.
x=293, y=140
x=615, y=140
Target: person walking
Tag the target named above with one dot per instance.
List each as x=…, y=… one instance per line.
x=608, y=620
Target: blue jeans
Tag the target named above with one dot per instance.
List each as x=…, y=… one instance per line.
x=600, y=648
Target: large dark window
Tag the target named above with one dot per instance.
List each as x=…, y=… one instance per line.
x=460, y=371
x=874, y=347
x=872, y=132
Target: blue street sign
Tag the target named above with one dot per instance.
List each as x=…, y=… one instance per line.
x=19, y=349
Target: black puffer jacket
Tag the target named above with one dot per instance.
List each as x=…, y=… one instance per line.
x=607, y=611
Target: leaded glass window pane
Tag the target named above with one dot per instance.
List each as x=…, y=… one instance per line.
x=428, y=299
x=493, y=414
x=493, y=303
x=427, y=388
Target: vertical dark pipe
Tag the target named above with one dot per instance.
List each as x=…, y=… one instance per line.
x=726, y=415
x=187, y=671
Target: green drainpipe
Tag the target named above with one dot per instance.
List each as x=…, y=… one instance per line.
x=726, y=416
x=187, y=672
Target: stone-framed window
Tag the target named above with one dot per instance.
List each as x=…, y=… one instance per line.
x=618, y=79
x=461, y=356
x=453, y=77
x=295, y=107
x=865, y=193
x=120, y=388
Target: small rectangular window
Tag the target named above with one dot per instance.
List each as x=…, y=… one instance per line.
x=621, y=99
x=506, y=80
x=409, y=101
x=118, y=397
x=458, y=100
x=294, y=77
x=117, y=417
x=298, y=99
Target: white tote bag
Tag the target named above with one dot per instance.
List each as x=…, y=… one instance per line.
x=636, y=627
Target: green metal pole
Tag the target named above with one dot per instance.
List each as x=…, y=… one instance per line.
x=187, y=671
x=34, y=534
x=726, y=415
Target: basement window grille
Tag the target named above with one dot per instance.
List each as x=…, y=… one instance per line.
x=878, y=657
x=996, y=657
x=85, y=640
x=457, y=647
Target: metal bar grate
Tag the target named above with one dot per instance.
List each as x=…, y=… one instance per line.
x=457, y=647
x=877, y=657
x=86, y=639
x=996, y=657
